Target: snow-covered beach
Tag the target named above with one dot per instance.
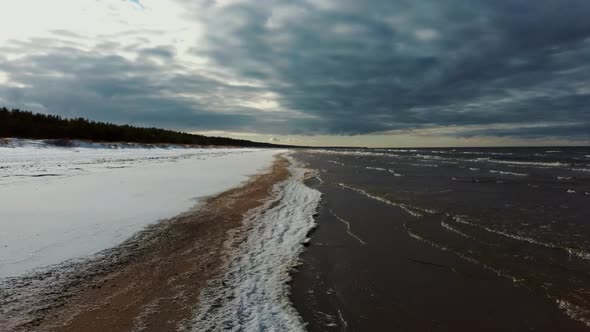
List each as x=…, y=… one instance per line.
x=60, y=203
x=125, y=237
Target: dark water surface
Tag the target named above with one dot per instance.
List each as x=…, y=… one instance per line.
x=448, y=239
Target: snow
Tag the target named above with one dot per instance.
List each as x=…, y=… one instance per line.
x=58, y=204
x=253, y=292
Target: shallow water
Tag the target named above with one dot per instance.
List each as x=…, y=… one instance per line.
x=517, y=218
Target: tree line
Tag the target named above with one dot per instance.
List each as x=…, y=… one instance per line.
x=24, y=124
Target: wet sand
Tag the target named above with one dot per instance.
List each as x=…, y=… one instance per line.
x=363, y=271
x=151, y=282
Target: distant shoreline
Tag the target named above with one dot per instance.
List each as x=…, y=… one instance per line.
x=29, y=125
x=79, y=143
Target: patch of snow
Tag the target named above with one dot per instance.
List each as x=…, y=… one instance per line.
x=97, y=198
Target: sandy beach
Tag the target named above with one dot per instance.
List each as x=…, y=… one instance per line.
x=152, y=281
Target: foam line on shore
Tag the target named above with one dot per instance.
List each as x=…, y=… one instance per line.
x=252, y=294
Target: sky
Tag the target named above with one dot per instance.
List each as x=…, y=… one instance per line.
x=312, y=72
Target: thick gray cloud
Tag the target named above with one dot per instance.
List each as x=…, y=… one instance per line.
x=335, y=67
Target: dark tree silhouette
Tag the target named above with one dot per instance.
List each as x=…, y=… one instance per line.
x=24, y=124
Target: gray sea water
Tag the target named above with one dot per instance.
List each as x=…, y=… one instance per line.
x=511, y=221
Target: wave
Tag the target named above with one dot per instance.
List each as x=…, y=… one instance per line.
x=376, y=168
x=472, y=260
x=508, y=173
x=401, y=150
x=348, y=230
x=353, y=153
x=488, y=153
x=524, y=163
x=424, y=165
x=394, y=172
x=454, y=230
x=336, y=162
x=426, y=156
x=571, y=251
x=411, y=210
x=253, y=293
x=575, y=312
x=383, y=170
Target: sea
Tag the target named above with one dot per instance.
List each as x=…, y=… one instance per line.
x=447, y=239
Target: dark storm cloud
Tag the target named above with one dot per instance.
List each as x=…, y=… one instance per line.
x=372, y=66
x=74, y=83
x=341, y=67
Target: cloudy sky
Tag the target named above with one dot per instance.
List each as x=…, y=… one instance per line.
x=338, y=72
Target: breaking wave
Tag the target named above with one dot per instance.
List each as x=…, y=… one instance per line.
x=411, y=210
x=571, y=251
x=508, y=173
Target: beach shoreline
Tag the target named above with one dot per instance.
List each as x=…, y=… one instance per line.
x=150, y=282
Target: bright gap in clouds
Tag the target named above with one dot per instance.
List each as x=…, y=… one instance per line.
x=90, y=22
x=132, y=30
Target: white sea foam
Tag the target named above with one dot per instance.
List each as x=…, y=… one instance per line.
x=571, y=191
x=411, y=210
x=426, y=156
x=488, y=153
x=402, y=150
x=336, y=162
x=576, y=312
x=573, y=311
x=508, y=173
x=523, y=163
x=424, y=165
x=453, y=229
x=342, y=320
x=376, y=168
x=348, y=229
x=498, y=272
x=352, y=153
x=252, y=295
x=571, y=251
x=384, y=170
x=394, y=172
x=473, y=169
